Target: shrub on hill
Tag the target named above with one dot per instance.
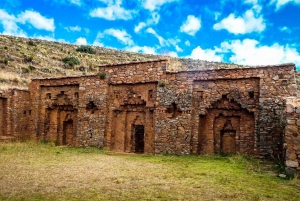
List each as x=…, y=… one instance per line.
x=86, y=49
x=71, y=61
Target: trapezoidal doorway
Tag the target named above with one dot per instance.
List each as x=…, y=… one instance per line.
x=139, y=141
x=67, y=132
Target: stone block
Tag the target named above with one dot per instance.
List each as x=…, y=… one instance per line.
x=292, y=164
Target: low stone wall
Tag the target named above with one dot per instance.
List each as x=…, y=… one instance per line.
x=292, y=136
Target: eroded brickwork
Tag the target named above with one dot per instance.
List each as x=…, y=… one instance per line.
x=142, y=108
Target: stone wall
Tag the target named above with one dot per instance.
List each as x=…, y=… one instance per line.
x=292, y=137
x=141, y=107
x=15, y=114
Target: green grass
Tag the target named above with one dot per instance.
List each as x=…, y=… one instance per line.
x=36, y=171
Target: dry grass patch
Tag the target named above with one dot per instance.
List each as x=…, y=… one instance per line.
x=33, y=171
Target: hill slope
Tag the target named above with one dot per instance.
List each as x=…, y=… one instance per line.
x=22, y=59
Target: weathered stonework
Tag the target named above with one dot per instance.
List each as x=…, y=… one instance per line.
x=292, y=133
x=143, y=108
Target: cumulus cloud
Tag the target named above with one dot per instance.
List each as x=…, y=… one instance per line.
x=191, y=25
x=81, y=41
x=205, y=54
x=113, y=11
x=76, y=2
x=37, y=20
x=154, y=19
x=155, y=4
x=187, y=43
x=10, y=22
x=248, y=23
x=250, y=52
x=280, y=3
x=153, y=32
x=139, y=27
x=73, y=28
x=142, y=49
x=121, y=35
x=285, y=29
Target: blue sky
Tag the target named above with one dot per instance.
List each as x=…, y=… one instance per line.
x=250, y=32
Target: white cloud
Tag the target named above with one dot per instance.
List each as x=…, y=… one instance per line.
x=280, y=3
x=151, y=21
x=250, y=52
x=241, y=25
x=191, y=25
x=121, y=35
x=73, y=28
x=155, y=4
x=139, y=27
x=142, y=49
x=178, y=49
x=37, y=20
x=76, y=2
x=153, y=32
x=187, y=43
x=113, y=11
x=9, y=25
x=172, y=54
x=81, y=41
x=205, y=54
x=285, y=29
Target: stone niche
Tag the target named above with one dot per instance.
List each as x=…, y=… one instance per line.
x=227, y=111
x=132, y=111
x=59, y=111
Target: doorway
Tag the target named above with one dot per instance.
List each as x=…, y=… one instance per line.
x=139, y=136
x=67, y=132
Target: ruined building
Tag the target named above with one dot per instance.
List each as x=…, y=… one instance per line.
x=142, y=108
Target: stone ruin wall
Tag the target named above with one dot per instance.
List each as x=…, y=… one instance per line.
x=15, y=114
x=196, y=112
x=70, y=111
x=292, y=136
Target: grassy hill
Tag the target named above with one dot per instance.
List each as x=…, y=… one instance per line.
x=22, y=59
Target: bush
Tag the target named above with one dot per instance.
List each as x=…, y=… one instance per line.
x=102, y=75
x=71, y=61
x=4, y=61
x=25, y=70
x=162, y=83
x=31, y=43
x=86, y=49
x=28, y=58
x=31, y=68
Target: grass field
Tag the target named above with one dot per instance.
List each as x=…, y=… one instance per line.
x=34, y=171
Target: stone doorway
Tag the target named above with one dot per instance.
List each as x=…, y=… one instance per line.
x=139, y=138
x=67, y=132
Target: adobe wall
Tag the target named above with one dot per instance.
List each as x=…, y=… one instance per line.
x=292, y=130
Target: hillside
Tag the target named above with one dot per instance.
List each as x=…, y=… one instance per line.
x=22, y=59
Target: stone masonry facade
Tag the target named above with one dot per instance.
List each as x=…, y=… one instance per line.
x=143, y=108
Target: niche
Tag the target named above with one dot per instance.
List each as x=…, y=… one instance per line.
x=173, y=111
x=48, y=95
x=91, y=107
x=251, y=94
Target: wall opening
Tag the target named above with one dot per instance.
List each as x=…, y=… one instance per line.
x=139, y=138
x=67, y=132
